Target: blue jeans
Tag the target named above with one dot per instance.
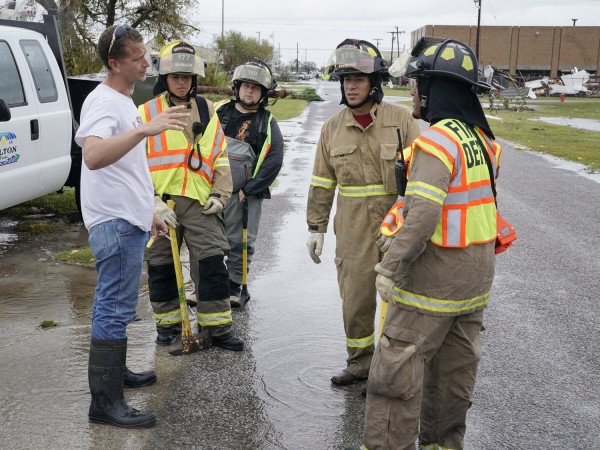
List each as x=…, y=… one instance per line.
x=118, y=248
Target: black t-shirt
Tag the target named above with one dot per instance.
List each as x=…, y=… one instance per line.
x=241, y=126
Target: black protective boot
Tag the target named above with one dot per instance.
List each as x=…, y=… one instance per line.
x=228, y=341
x=105, y=374
x=167, y=336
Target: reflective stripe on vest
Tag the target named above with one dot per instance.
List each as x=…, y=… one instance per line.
x=168, y=318
x=468, y=208
x=266, y=148
x=393, y=220
x=438, y=305
x=168, y=155
x=361, y=342
x=214, y=319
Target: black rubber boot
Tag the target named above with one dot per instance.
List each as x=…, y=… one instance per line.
x=136, y=380
x=228, y=341
x=105, y=375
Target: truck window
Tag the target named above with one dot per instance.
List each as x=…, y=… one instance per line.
x=42, y=75
x=11, y=88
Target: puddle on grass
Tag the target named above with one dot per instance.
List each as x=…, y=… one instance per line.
x=583, y=124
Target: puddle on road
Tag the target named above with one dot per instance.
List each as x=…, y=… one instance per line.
x=275, y=394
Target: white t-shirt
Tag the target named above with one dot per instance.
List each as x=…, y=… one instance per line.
x=124, y=189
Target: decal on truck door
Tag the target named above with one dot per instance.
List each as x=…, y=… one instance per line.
x=8, y=148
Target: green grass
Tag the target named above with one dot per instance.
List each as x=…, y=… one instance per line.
x=565, y=142
x=82, y=256
x=397, y=91
x=287, y=108
x=57, y=204
x=282, y=108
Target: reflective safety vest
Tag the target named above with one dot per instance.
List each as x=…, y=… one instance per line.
x=393, y=220
x=266, y=147
x=170, y=152
x=468, y=208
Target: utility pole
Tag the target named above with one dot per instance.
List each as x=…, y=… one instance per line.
x=574, y=20
x=393, y=33
x=222, y=20
x=478, y=4
x=258, y=32
x=377, y=41
x=398, y=33
x=297, y=57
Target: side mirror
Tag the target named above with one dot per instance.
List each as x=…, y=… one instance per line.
x=4, y=111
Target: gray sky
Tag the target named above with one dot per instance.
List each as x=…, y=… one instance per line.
x=317, y=26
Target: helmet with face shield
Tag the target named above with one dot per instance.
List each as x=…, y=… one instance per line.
x=256, y=72
x=178, y=57
x=358, y=57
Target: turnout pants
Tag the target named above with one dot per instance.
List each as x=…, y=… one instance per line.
x=233, y=229
x=422, y=378
x=356, y=225
x=205, y=238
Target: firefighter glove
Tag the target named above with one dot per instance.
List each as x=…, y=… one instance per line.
x=315, y=246
x=385, y=287
x=384, y=242
x=164, y=212
x=212, y=206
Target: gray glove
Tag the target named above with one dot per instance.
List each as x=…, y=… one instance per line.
x=212, y=206
x=164, y=212
x=385, y=287
x=384, y=242
x=315, y=246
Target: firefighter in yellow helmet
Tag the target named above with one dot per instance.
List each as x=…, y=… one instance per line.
x=438, y=271
x=191, y=167
x=356, y=153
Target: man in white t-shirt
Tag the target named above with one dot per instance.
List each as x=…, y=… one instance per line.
x=117, y=200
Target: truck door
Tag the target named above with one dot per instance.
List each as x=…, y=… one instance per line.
x=19, y=138
x=53, y=127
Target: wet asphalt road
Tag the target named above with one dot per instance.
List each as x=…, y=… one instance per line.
x=538, y=380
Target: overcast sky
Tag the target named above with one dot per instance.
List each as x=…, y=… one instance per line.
x=317, y=26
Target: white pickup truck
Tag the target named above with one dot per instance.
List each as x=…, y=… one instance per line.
x=35, y=144
x=37, y=152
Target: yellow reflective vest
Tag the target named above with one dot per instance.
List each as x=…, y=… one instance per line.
x=468, y=208
x=172, y=158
